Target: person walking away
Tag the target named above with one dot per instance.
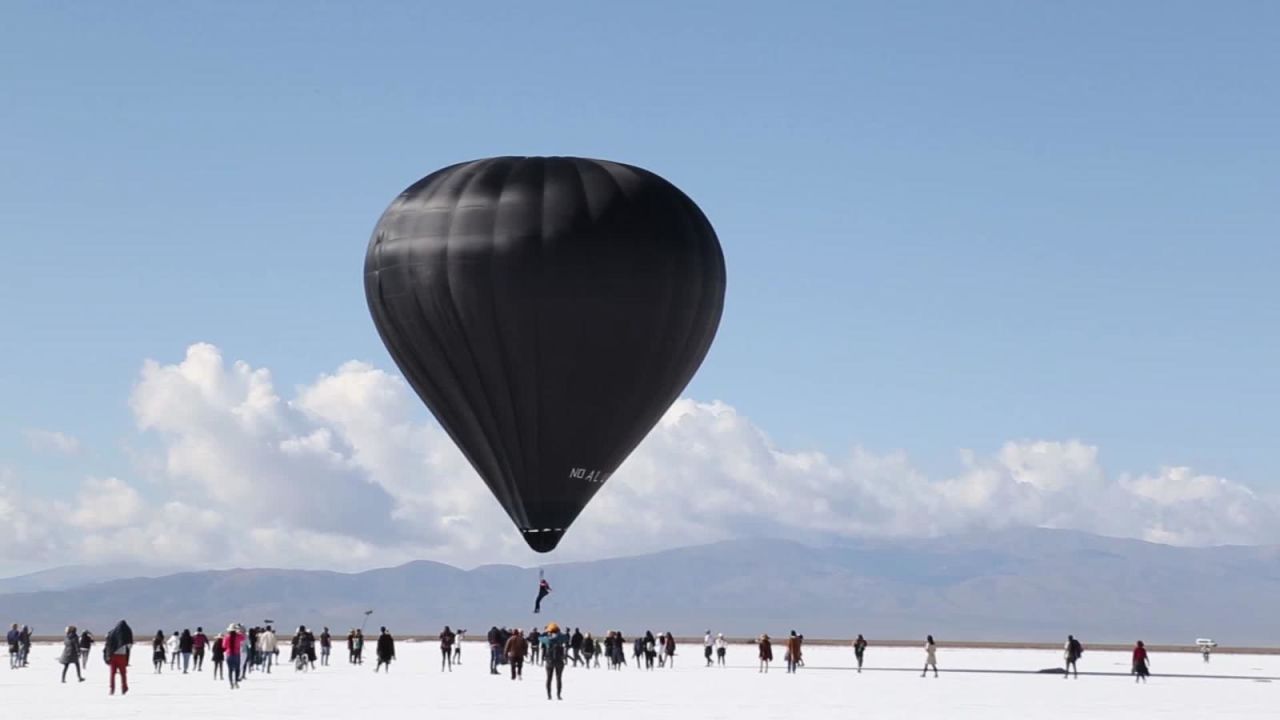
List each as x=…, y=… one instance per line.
x=930, y=657
x=216, y=655
x=24, y=646
x=650, y=649
x=71, y=653
x=172, y=647
x=708, y=646
x=859, y=649
x=199, y=643
x=1072, y=651
x=186, y=645
x=765, y=652
x=793, y=652
x=13, y=639
x=386, y=650
x=359, y=645
x=326, y=646
x=575, y=643
x=158, y=651
x=669, y=649
x=232, y=647
x=309, y=646
x=555, y=652
x=447, y=638
x=116, y=650
x=721, y=647
x=86, y=644
x=516, y=649
x=267, y=645
x=535, y=642
x=588, y=650
x=1141, y=663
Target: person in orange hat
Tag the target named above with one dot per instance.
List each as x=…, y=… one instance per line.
x=555, y=652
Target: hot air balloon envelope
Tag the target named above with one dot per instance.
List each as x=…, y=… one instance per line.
x=547, y=311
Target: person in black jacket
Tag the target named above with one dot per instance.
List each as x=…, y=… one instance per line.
x=157, y=651
x=186, y=645
x=495, y=649
x=86, y=644
x=1072, y=652
x=575, y=644
x=386, y=650
x=116, y=652
x=216, y=656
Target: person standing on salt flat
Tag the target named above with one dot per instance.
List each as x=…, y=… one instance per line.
x=930, y=657
x=516, y=649
x=766, y=652
x=859, y=649
x=1141, y=663
x=216, y=655
x=12, y=637
x=447, y=638
x=386, y=650
x=1072, y=651
x=326, y=646
x=721, y=648
x=157, y=651
x=555, y=652
x=793, y=652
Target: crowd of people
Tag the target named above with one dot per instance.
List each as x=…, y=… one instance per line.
x=238, y=652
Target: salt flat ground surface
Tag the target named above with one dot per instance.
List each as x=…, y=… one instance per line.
x=826, y=688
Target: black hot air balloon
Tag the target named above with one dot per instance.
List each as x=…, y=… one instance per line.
x=547, y=310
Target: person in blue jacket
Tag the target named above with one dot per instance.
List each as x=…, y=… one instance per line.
x=555, y=651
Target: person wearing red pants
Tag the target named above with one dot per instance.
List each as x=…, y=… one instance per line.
x=116, y=652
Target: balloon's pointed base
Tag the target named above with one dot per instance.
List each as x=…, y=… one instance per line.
x=544, y=540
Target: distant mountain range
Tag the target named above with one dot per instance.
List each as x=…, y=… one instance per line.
x=1016, y=585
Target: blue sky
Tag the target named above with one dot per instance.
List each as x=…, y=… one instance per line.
x=947, y=225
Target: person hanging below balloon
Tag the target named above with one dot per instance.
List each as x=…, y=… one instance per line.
x=544, y=589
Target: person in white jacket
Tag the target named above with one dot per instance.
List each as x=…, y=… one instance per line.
x=930, y=657
x=721, y=646
x=172, y=646
x=267, y=645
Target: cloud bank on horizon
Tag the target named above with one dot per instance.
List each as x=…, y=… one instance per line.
x=343, y=475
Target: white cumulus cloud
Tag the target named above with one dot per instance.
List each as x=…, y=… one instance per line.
x=52, y=441
x=345, y=473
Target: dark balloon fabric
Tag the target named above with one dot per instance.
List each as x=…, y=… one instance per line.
x=547, y=311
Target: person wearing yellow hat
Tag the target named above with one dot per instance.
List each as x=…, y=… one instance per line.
x=554, y=652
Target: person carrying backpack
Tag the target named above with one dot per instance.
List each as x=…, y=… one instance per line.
x=555, y=651
x=1072, y=651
